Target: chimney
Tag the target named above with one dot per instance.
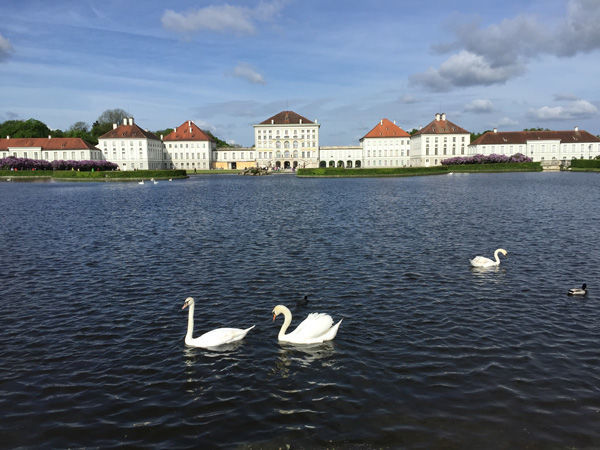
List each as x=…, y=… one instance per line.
x=381, y=122
x=49, y=136
x=131, y=121
x=7, y=136
x=114, y=126
x=189, y=123
x=394, y=122
x=300, y=120
x=437, y=116
x=161, y=137
x=495, y=130
x=124, y=120
x=576, y=128
x=272, y=121
x=443, y=116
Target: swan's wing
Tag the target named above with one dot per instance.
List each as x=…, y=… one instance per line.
x=221, y=336
x=313, y=326
x=481, y=261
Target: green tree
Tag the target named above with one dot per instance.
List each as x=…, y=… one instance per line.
x=30, y=128
x=477, y=135
x=413, y=131
x=163, y=132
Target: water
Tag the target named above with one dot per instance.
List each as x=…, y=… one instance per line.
x=430, y=353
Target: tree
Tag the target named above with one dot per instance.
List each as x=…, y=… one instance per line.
x=111, y=116
x=477, y=135
x=164, y=132
x=413, y=131
x=80, y=126
x=31, y=128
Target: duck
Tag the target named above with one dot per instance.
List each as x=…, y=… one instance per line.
x=303, y=301
x=213, y=338
x=578, y=291
x=316, y=328
x=482, y=261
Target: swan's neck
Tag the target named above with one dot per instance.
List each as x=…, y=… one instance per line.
x=190, y=329
x=496, y=256
x=286, y=323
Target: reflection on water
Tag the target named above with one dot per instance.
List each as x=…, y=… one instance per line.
x=302, y=355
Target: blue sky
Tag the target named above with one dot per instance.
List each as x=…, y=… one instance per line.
x=347, y=64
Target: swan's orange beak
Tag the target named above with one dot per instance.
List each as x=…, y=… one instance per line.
x=273, y=317
x=184, y=306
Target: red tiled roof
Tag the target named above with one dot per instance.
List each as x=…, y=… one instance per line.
x=70, y=143
x=286, y=118
x=441, y=127
x=521, y=137
x=129, y=131
x=187, y=131
x=386, y=129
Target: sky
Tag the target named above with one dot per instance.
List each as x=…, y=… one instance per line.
x=227, y=65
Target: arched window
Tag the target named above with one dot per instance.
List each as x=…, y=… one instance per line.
x=286, y=144
x=331, y=163
x=278, y=145
x=278, y=154
x=286, y=154
x=295, y=154
x=295, y=144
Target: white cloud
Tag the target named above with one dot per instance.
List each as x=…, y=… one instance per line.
x=465, y=69
x=479, y=106
x=247, y=72
x=507, y=122
x=408, y=99
x=5, y=48
x=500, y=52
x=222, y=18
x=575, y=110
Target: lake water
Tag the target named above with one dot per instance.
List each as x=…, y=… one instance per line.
x=430, y=352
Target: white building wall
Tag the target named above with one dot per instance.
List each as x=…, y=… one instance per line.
x=386, y=152
x=340, y=156
x=189, y=155
x=430, y=149
x=295, y=143
x=53, y=155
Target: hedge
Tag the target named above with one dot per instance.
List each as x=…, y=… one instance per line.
x=585, y=163
x=498, y=167
x=378, y=172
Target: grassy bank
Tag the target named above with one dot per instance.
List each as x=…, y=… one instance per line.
x=415, y=171
x=117, y=175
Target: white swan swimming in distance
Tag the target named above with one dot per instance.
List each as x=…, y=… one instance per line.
x=482, y=261
x=214, y=338
x=578, y=291
x=316, y=328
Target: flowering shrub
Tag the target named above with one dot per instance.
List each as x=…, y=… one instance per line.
x=85, y=166
x=12, y=162
x=486, y=159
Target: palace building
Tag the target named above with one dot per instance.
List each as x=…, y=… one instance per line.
x=188, y=147
x=438, y=140
x=131, y=147
x=49, y=149
x=538, y=145
x=287, y=141
x=386, y=145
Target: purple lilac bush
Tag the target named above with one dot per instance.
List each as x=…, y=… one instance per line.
x=12, y=162
x=486, y=159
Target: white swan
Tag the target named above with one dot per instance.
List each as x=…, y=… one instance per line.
x=578, y=291
x=482, y=261
x=214, y=338
x=316, y=328
x=155, y=182
x=141, y=182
